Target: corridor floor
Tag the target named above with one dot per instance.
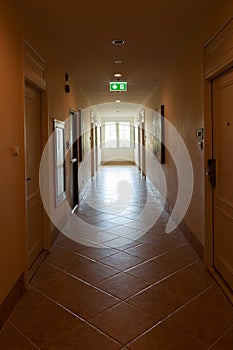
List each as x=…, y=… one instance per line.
x=127, y=285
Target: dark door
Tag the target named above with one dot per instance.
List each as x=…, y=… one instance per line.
x=74, y=197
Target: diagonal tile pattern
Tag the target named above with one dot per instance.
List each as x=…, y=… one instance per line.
x=130, y=286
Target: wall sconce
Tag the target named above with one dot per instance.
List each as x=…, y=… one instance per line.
x=67, y=89
x=143, y=116
x=67, y=77
x=67, y=86
x=92, y=117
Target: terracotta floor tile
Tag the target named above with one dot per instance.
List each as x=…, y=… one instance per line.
x=150, y=271
x=163, y=338
x=205, y=318
x=82, y=338
x=150, y=236
x=41, y=325
x=89, y=302
x=99, y=253
x=62, y=286
x=31, y=301
x=69, y=244
x=145, y=251
x=167, y=242
x=119, y=243
x=123, y=230
x=122, y=261
x=123, y=322
x=66, y=259
x=225, y=342
x=122, y=285
x=94, y=272
x=12, y=339
x=46, y=273
x=164, y=265
x=165, y=297
x=178, y=257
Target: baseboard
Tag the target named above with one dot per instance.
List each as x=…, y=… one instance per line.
x=54, y=234
x=36, y=265
x=189, y=235
x=11, y=300
x=222, y=284
x=118, y=162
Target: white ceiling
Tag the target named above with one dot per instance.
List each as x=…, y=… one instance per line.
x=81, y=33
x=109, y=110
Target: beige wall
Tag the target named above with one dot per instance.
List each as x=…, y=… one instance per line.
x=181, y=91
x=12, y=254
x=14, y=27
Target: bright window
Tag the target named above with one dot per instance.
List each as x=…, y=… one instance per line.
x=110, y=135
x=124, y=134
x=118, y=135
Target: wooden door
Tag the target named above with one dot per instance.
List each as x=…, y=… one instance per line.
x=92, y=142
x=74, y=193
x=139, y=148
x=96, y=149
x=143, y=160
x=33, y=156
x=223, y=191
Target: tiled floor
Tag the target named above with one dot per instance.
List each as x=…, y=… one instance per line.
x=123, y=289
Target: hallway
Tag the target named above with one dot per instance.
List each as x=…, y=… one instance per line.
x=132, y=286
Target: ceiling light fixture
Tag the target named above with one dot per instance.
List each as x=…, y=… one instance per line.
x=118, y=61
x=118, y=75
x=118, y=42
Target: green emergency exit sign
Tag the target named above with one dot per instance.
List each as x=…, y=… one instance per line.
x=118, y=86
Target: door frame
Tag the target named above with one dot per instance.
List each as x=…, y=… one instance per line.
x=218, y=60
x=35, y=73
x=92, y=145
x=73, y=113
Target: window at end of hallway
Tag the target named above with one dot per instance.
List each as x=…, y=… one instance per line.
x=118, y=134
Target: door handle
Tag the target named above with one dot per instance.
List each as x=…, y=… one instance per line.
x=28, y=179
x=209, y=173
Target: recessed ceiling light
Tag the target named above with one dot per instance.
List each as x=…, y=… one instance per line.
x=118, y=61
x=118, y=42
x=118, y=101
x=118, y=75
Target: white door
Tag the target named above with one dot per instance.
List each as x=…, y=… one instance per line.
x=223, y=191
x=33, y=156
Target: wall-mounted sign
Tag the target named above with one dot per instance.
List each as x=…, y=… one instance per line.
x=118, y=86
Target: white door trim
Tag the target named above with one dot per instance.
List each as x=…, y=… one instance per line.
x=35, y=73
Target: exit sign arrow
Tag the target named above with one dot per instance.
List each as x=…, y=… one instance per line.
x=118, y=86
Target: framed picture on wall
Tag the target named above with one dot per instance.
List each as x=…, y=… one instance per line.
x=158, y=135
x=59, y=158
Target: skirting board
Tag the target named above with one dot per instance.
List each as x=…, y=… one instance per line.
x=54, y=234
x=191, y=238
x=11, y=300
